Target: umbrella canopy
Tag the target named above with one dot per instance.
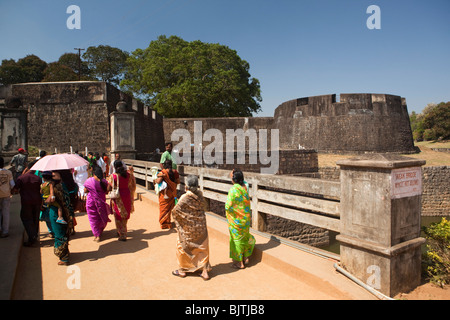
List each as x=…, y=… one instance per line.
x=60, y=161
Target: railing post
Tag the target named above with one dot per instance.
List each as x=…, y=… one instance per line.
x=200, y=179
x=146, y=182
x=380, y=221
x=207, y=201
x=258, y=218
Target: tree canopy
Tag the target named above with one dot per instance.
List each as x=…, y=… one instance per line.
x=56, y=71
x=192, y=79
x=432, y=123
x=176, y=77
x=28, y=69
x=102, y=63
x=106, y=63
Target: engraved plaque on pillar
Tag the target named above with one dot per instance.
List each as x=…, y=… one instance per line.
x=123, y=134
x=124, y=129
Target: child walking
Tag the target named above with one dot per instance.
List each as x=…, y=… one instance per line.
x=47, y=192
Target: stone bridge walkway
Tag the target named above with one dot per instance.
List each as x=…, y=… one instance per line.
x=140, y=268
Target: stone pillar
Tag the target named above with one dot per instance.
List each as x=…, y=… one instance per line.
x=380, y=221
x=259, y=219
x=13, y=128
x=123, y=138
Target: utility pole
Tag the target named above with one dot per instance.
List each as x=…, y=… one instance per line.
x=79, y=62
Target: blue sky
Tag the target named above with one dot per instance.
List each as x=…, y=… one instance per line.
x=296, y=48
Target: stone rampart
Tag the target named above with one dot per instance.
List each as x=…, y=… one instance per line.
x=358, y=123
x=76, y=113
x=66, y=114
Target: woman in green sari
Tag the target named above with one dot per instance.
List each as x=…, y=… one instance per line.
x=61, y=231
x=238, y=215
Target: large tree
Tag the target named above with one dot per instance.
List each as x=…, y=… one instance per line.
x=76, y=64
x=57, y=71
x=432, y=123
x=438, y=121
x=106, y=63
x=28, y=69
x=69, y=67
x=192, y=79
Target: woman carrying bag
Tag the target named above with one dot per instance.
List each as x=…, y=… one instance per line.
x=96, y=189
x=122, y=196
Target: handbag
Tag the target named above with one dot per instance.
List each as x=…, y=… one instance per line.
x=80, y=204
x=114, y=193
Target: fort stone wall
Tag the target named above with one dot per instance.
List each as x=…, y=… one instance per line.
x=65, y=114
x=76, y=114
x=358, y=123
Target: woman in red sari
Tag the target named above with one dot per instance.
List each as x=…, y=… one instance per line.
x=122, y=206
x=168, y=195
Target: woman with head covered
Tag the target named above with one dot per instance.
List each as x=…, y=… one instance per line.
x=238, y=215
x=190, y=221
x=61, y=231
x=167, y=198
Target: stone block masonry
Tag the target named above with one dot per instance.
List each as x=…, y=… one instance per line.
x=435, y=184
x=358, y=123
x=66, y=114
x=76, y=113
x=436, y=191
x=290, y=162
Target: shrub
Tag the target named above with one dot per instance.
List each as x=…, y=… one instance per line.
x=429, y=135
x=33, y=151
x=437, y=258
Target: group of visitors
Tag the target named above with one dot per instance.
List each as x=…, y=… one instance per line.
x=96, y=180
x=121, y=206
x=95, y=183
x=189, y=215
x=57, y=209
x=192, y=249
x=54, y=196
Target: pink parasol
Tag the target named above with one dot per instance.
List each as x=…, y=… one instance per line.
x=60, y=161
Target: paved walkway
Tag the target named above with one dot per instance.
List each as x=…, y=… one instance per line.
x=10, y=250
x=140, y=268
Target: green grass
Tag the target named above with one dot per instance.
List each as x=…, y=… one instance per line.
x=433, y=144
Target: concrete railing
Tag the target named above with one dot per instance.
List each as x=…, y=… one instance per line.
x=317, y=204
x=375, y=207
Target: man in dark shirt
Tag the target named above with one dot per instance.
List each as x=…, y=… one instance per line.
x=29, y=186
x=19, y=162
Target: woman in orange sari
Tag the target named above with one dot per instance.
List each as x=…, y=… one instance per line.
x=168, y=195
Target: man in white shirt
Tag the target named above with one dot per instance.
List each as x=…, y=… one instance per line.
x=6, y=184
x=111, y=166
x=100, y=162
x=80, y=175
